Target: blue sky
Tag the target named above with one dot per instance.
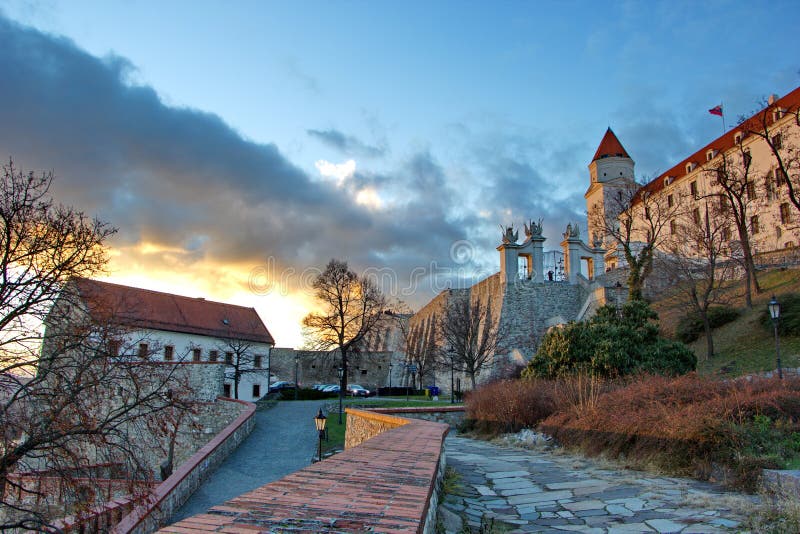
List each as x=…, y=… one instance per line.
x=220, y=137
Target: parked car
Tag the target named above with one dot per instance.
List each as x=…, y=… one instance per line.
x=358, y=391
x=280, y=386
x=331, y=389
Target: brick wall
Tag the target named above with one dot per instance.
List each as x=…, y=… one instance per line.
x=388, y=483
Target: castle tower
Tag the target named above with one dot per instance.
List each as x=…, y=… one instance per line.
x=612, y=181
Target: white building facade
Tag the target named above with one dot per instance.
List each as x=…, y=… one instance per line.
x=164, y=327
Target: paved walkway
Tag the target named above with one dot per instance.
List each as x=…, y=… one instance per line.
x=542, y=491
x=283, y=441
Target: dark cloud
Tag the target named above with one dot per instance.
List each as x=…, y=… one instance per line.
x=347, y=144
x=184, y=180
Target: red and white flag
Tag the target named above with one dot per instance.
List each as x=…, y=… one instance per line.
x=716, y=110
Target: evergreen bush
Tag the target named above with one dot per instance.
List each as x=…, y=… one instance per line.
x=690, y=327
x=612, y=343
x=789, y=323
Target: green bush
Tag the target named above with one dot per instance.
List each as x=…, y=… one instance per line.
x=789, y=323
x=610, y=344
x=690, y=327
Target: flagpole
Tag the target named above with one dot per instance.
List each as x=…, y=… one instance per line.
x=722, y=105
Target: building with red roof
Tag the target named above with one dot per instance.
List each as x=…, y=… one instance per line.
x=764, y=147
x=172, y=328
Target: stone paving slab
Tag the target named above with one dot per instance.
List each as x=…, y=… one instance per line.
x=557, y=492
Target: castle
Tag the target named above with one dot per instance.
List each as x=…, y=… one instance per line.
x=528, y=301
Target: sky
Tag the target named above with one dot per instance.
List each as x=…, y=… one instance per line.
x=238, y=146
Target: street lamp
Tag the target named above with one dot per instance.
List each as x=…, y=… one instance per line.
x=775, y=314
x=390, y=376
x=340, y=372
x=296, y=385
x=319, y=422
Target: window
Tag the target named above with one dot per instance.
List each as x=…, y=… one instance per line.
x=226, y=390
x=213, y=355
x=737, y=138
x=710, y=155
x=668, y=180
x=196, y=355
x=747, y=158
x=143, y=350
x=256, y=390
x=113, y=347
x=169, y=353
x=229, y=358
x=786, y=213
x=778, y=232
x=777, y=141
x=363, y=371
x=690, y=167
x=751, y=191
x=673, y=227
x=754, y=229
x=777, y=114
x=693, y=189
x=696, y=216
x=770, y=191
x=257, y=361
x=670, y=201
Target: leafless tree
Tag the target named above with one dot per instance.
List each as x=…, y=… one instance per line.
x=781, y=136
x=471, y=336
x=352, y=307
x=421, y=348
x=242, y=359
x=736, y=192
x=699, y=259
x=637, y=223
x=67, y=404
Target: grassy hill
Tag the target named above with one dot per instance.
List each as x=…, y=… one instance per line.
x=744, y=345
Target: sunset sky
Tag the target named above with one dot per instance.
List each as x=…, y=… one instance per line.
x=238, y=146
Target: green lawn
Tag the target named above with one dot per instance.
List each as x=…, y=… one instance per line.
x=743, y=346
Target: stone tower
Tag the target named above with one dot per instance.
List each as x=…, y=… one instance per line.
x=612, y=182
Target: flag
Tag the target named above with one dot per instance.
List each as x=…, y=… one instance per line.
x=717, y=110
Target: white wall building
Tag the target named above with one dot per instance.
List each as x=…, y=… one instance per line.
x=166, y=327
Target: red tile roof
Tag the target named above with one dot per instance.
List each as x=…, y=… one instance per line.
x=610, y=147
x=143, y=308
x=725, y=142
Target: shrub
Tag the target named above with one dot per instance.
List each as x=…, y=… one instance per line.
x=789, y=324
x=690, y=327
x=509, y=405
x=609, y=345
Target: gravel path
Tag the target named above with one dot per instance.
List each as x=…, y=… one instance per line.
x=539, y=491
x=283, y=441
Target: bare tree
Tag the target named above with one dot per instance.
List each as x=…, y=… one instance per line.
x=778, y=127
x=471, y=336
x=736, y=193
x=421, y=348
x=352, y=307
x=242, y=359
x=699, y=259
x=637, y=223
x=68, y=405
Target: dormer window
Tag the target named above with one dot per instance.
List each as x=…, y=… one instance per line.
x=690, y=167
x=668, y=180
x=711, y=154
x=737, y=138
x=777, y=114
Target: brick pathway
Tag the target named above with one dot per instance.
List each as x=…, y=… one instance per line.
x=539, y=491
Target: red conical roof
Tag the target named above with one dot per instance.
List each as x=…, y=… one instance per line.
x=609, y=147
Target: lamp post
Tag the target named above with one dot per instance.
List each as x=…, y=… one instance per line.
x=340, y=372
x=319, y=422
x=452, y=380
x=390, y=376
x=296, y=385
x=775, y=314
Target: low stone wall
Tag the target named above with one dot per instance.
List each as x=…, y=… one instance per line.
x=781, y=482
x=175, y=490
x=387, y=483
x=448, y=415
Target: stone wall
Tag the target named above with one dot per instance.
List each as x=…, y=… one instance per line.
x=368, y=368
x=452, y=416
x=173, y=492
x=389, y=483
x=363, y=425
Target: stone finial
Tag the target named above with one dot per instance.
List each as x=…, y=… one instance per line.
x=533, y=229
x=509, y=235
x=572, y=231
